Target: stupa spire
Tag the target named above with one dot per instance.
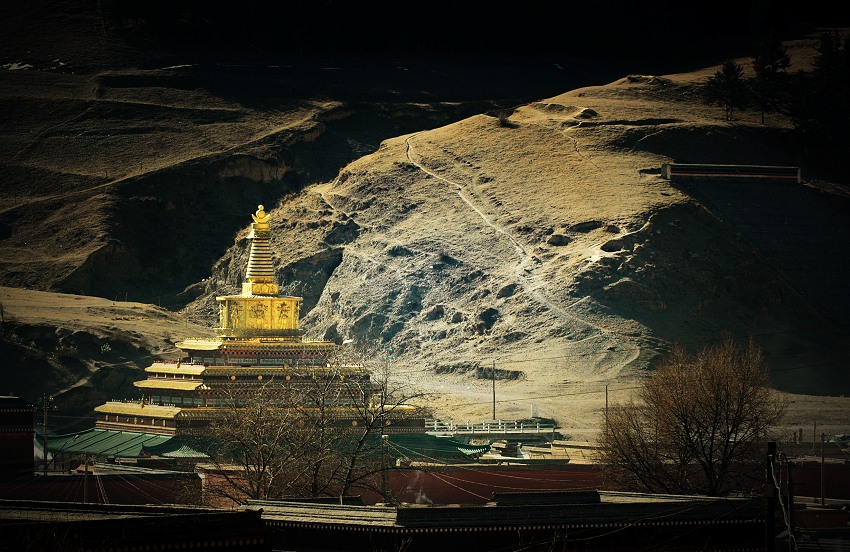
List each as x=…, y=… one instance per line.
x=259, y=311
x=259, y=278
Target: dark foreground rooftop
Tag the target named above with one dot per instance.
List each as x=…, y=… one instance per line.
x=67, y=526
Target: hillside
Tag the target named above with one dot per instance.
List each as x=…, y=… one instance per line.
x=413, y=221
x=551, y=248
x=81, y=350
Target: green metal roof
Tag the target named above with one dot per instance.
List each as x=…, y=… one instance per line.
x=422, y=446
x=107, y=442
x=181, y=446
x=132, y=444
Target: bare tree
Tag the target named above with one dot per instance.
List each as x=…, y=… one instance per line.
x=699, y=425
x=254, y=445
x=316, y=432
x=392, y=399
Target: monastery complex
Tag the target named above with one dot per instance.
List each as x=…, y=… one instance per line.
x=258, y=345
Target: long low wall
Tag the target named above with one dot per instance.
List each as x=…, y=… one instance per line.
x=476, y=483
x=832, y=478
x=691, y=171
x=131, y=488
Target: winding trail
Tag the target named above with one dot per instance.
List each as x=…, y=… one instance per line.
x=523, y=273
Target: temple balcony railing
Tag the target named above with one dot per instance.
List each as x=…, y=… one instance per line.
x=450, y=427
x=249, y=333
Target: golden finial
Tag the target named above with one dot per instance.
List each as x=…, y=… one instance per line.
x=261, y=216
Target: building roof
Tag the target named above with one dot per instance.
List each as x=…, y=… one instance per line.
x=180, y=446
x=233, y=370
x=10, y=403
x=425, y=447
x=172, y=384
x=130, y=444
x=282, y=370
x=107, y=442
x=138, y=409
x=200, y=344
x=257, y=342
x=42, y=525
x=176, y=368
x=254, y=296
x=608, y=509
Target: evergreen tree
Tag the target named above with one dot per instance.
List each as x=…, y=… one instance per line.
x=728, y=88
x=769, y=64
x=820, y=106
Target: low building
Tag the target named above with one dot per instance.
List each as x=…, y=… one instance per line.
x=105, y=484
x=586, y=520
x=16, y=435
x=61, y=526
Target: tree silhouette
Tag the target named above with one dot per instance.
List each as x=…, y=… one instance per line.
x=728, y=88
x=769, y=64
x=820, y=105
x=315, y=433
x=699, y=425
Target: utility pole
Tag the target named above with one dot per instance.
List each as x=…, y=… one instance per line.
x=494, y=390
x=86, y=479
x=822, y=497
x=384, y=437
x=814, y=437
x=384, y=482
x=791, y=514
x=44, y=405
x=770, y=503
x=606, y=406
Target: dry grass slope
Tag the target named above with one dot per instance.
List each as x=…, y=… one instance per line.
x=545, y=244
x=549, y=245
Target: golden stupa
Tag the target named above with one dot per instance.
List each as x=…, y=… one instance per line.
x=258, y=341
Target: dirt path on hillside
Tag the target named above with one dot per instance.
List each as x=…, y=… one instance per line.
x=529, y=284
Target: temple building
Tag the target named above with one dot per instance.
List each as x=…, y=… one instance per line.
x=258, y=347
